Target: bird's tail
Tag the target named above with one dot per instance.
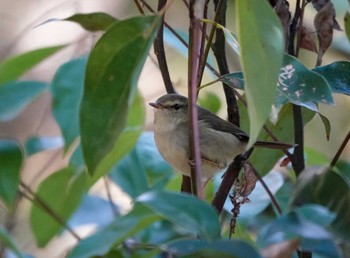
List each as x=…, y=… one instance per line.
x=274, y=145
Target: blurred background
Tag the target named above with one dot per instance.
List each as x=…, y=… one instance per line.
x=19, y=30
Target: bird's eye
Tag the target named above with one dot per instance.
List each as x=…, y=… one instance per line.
x=176, y=106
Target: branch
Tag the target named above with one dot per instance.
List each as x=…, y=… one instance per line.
x=342, y=147
x=193, y=51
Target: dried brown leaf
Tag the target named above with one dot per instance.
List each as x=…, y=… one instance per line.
x=319, y=4
x=282, y=10
x=307, y=40
x=248, y=180
x=324, y=26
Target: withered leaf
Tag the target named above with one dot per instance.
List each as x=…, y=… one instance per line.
x=319, y=4
x=324, y=26
x=248, y=179
x=307, y=40
x=282, y=10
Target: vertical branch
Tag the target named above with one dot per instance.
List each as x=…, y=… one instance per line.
x=220, y=54
x=193, y=52
x=298, y=161
x=160, y=53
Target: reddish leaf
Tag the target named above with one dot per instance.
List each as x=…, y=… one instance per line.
x=248, y=180
x=307, y=41
x=319, y=4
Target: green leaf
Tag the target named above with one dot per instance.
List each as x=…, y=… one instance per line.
x=93, y=21
x=37, y=144
x=184, y=210
x=347, y=24
x=337, y=75
x=15, y=96
x=299, y=85
x=67, y=90
x=8, y=242
x=210, y=101
x=221, y=248
x=11, y=159
x=328, y=188
x=262, y=45
x=126, y=140
x=114, y=234
x=143, y=168
x=14, y=67
x=61, y=192
x=111, y=79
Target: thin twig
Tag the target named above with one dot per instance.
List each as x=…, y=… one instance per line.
x=340, y=150
x=109, y=196
x=37, y=200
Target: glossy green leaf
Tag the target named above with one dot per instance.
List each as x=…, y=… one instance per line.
x=221, y=248
x=11, y=159
x=299, y=85
x=15, y=96
x=6, y=241
x=67, y=90
x=347, y=24
x=126, y=140
x=328, y=188
x=114, y=234
x=337, y=75
x=193, y=215
x=93, y=21
x=37, y=144
x=262, y=46
x=143, y=168
x=14, y=67
x=61, y=192
x=113, y=68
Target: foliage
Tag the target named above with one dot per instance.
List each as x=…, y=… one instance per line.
x=100, y=112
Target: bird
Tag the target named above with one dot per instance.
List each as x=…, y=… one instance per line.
x=220, y=141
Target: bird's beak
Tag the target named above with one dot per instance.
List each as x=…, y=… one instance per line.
x=155, y=105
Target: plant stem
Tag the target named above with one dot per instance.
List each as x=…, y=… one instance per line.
x=194, y=47
x=340, y=150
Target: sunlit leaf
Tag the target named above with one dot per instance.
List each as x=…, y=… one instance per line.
x=67, y=90
x=114, y=234
x=262, y=44
x=184, y=210
x=14, y=67
x=61, y=192
x=111, y=77
x=347, y=24
x=337, y=75
x=15, y=96
x=11, y=159
x=37, y=144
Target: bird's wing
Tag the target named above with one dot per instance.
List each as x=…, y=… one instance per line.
x=219, y=124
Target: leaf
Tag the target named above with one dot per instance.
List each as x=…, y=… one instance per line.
x=14, y=67
x=93, y=21
x=37, y=144
x=15, y=96
x=126, y=140
x=299, y=85
x=111, y=77
x=186, y=211
x=142, y=169
x=262, y=45
x=210, y=101
x=315, y=184
x=221, y=248
x=11, y=159
x=61, y=192
x=282, y=10
x=114, y=234
x=307, y=40
x=337, y=75
x=323, y=23
x=8, y=242
x=67, y=90
x=347, y=24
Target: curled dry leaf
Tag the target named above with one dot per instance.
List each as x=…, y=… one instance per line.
x=319, y=4
x=307, y=40
x=282, y=10
x=248, y=180
x=324, y=26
